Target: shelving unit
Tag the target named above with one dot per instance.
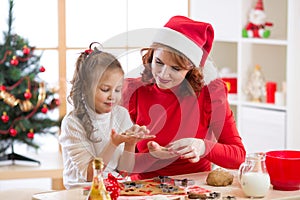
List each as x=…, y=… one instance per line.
x=263, y=126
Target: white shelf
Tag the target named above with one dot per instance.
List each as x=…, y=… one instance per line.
x=277, y=55
x=233, y=40
x=263, y=106
x=268, y=106
x=264, y=41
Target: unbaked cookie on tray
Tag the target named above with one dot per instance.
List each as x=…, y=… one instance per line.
x=150, y=187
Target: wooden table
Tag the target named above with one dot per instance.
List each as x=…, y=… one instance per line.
x=51, y=167
x=199, y=178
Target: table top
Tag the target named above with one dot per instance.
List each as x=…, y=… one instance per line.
x=51, y=166
x=200, y=180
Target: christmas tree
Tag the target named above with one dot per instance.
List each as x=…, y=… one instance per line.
x=25, y=99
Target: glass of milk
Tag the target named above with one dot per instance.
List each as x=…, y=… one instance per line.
x=253, y=176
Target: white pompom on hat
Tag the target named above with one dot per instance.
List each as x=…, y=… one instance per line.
x=192, y=38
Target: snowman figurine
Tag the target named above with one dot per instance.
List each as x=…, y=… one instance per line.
x=256, y=27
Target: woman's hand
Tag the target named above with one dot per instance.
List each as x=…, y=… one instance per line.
x=160, y=152
x=188, y=148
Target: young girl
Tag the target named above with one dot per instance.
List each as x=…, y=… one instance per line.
x=91, y=129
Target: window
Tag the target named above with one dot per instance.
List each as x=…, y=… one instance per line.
x=63, y=28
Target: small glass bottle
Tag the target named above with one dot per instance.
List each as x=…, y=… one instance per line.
x=98, y=190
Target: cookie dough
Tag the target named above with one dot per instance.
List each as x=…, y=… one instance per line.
x=219, y=177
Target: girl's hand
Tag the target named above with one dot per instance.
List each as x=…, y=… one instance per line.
x=137, y=133
x=131, y=136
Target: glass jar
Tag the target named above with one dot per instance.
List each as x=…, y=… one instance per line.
x=253, y=176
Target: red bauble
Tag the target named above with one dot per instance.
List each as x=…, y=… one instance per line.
x=2, y=88
x=14, y=61
x=54, y=103
x=44, y=109
x=26, y=50
x=57, y=102
x=27, y=94
x=42, y=69
x=13, y=132
x=30, y=134
x=5, y=117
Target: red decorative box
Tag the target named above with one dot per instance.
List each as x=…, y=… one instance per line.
x=231, y=83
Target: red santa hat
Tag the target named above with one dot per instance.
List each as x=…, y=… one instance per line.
x=192, y=38
x=259, y=5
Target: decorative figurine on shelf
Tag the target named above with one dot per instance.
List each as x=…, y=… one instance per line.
x=256, y=27
x=255, y=86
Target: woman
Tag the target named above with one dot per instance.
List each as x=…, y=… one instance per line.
x=183, y=102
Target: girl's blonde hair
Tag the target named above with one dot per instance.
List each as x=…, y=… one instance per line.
x=194, y=81
x=90, y=66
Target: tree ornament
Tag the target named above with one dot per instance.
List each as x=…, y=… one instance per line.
x=2, y=88
x=4, y=117
x=44, y=109
x=30, y=134
x=14, y=61
x=13, y=132
x=54, y=103
x=26, y=105
x=26, y=50
x=57, y=102
x=42, y=69
x=8, y=98
x=27, y=94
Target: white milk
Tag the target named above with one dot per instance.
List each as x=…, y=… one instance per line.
x=255, y=184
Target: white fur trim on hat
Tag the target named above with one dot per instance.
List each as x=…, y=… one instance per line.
x=181, y=43
x=210, y=72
